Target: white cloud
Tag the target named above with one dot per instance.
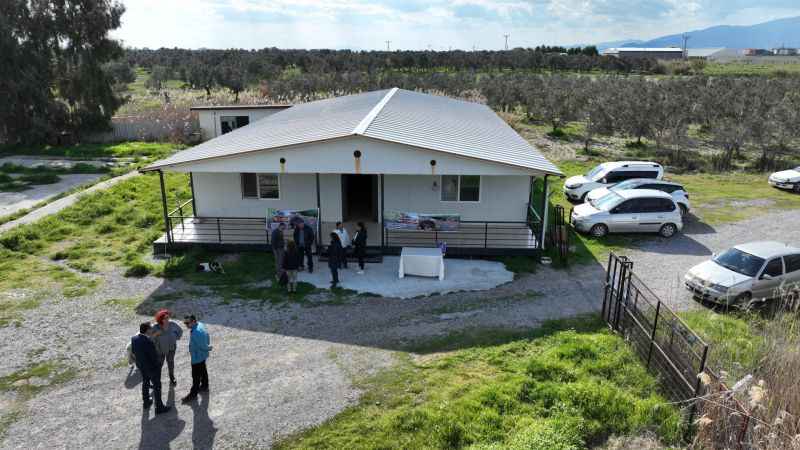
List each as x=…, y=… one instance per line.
x=416, y=24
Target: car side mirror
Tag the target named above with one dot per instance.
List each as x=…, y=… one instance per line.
x=766, y=276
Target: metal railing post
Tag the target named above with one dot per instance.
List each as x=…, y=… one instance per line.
x=698, y=383
x=653, y=334
x=486, y=235
x=219, y=231
x=180, y=211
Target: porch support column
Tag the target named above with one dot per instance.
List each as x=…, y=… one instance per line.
x=164, y=206
x=380, y=221
x=546, y=195
x=319, y=216
x=194, y=204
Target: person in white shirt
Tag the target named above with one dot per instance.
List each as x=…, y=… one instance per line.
x=344, y=238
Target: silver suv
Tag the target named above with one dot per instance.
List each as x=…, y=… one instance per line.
x=753, y=271
x=629, y=211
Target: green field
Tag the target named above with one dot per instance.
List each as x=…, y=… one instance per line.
x=569, y=385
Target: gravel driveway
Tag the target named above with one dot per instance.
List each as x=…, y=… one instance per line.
x=661, y=263
x=274, y=369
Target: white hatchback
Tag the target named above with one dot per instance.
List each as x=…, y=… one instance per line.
x=631, y=211
x=609, y=173
x=787, y=179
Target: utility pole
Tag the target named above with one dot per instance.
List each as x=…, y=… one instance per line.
x=387, y=45
x=685, y=38
x=506, y=36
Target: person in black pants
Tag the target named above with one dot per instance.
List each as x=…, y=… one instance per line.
x=360, y=244
x=335, y=256
x=148, y=363
x=304, y=238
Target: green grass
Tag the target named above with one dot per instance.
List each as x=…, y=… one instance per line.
x=12, y=312
x=734, y=344
x=125, y=304
x=50, y=373
x=569, y=385
x=153, y=150
x=752, y=69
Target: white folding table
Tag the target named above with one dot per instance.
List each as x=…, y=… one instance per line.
x=425, y=262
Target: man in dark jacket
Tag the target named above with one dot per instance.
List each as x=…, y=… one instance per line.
x=148, y=363
x=304, y=238
x=278, y=247
x=335, y=257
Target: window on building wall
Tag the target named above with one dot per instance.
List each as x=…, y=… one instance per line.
x=461, y=188
x=230, y=123
x=260, y=185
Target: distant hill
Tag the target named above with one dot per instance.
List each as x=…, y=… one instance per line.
x=763, y=35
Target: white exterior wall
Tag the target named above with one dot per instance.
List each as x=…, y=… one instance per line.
x=209, y=119
x=503, y=198
x=336, y=156
x=220, y=195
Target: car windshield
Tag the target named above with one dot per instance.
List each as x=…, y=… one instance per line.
x=594, y=172
x=607, y=201
x=740, y=262
x=628, y=184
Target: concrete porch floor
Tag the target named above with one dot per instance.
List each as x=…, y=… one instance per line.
x=382, y=279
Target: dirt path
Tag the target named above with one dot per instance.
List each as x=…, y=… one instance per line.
x=58, y=205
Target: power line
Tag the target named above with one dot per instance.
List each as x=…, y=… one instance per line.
x=506, y=36
x=685, y=38
x=387, y=45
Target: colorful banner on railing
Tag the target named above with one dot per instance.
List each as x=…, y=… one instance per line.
x=290, y=217
x=397, y=220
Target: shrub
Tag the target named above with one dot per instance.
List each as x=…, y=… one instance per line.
x=138, y=269
x=40, y=178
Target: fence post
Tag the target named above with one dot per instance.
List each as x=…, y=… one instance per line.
x=624, y=284
x=653, y=334
x=485, y=234
x=608, y=284
x=219, y=231
x=698, y=383
x=180, y=211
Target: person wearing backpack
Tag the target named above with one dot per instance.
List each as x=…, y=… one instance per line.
x=292, y=259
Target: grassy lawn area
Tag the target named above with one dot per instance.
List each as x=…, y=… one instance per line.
x=138, y=151
x=791, y=67
x=716, y=199
x=569, y=385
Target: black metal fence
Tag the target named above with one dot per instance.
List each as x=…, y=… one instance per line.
x=472, y=237
x=664, y=342
x=558, y=234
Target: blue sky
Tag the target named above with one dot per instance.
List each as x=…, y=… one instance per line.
x=417, y=24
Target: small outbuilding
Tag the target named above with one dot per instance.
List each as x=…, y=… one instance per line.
x=417, y=169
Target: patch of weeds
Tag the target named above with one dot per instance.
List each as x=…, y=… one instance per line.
x=8, y=418
x=569, y=385
x=40, y=178
x=126, y=304
x=12, y=311
x=13, y=186
x=31, y=380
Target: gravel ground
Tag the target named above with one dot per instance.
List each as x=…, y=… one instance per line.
x=661, y=263
x=276, y=369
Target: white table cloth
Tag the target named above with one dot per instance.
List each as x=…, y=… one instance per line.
x=425, y=262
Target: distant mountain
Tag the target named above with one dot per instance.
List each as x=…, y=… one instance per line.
x=763, y=35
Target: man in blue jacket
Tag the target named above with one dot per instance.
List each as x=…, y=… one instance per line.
x=148, y=363
x=199, y=346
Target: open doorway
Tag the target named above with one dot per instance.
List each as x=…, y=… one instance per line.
x=360, y=198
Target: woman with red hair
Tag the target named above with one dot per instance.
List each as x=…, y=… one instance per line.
x=166, y=334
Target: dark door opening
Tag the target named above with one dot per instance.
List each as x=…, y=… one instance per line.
x=360, y=198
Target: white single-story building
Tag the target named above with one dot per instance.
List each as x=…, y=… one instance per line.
x=218, y=120
x=356, y=158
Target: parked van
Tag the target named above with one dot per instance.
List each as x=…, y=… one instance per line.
x=609, y=173
x=630, y=211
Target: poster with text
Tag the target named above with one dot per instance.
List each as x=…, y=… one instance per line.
x=291, y=217
x=398, y=220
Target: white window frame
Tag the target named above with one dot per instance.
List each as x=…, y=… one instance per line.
x=258, y=186
x=458, y=189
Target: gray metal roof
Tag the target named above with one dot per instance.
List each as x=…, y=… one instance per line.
x=395, y=115
x=231, y=107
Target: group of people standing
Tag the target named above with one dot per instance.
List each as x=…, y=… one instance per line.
x=289, y=255
x=156, y=344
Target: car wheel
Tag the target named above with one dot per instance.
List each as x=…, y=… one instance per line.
x=585, y=194
x=598, y=230
x=684, y=209
x=743, y=299
x=668, y=230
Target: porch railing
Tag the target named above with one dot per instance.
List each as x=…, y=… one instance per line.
x=471, y=235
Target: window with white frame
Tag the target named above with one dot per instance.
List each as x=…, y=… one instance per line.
x=461, y=188
x=261, y=185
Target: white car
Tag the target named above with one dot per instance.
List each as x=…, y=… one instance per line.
x=752, y=271
x=787, y=179
x=676, y=190
x=630, y=211
x=610, y=173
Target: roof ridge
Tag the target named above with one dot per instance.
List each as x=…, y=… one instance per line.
x=362, y=126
